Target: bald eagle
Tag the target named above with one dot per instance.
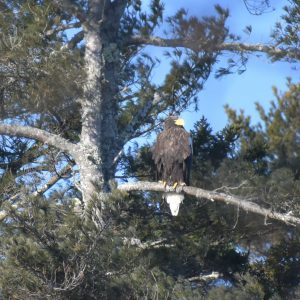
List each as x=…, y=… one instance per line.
x=172, y=155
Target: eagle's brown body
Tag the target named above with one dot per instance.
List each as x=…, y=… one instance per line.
x=172, y=153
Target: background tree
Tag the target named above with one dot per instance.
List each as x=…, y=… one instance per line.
x=71, y=100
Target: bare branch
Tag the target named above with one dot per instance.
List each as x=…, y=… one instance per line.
x=160, y=42
x=213, y=196
x=139, y=118
x=257, y=8
x=40, y=135
x=62, y=27
x=72, y=278
x=75, y=40
x=162, y=243
x=207, y=277
x=53, y=180
x=292, y=53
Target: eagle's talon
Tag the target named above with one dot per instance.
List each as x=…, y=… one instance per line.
x=163, y=182
x=175, y=185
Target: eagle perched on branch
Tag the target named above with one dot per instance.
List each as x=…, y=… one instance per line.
x=172, y=155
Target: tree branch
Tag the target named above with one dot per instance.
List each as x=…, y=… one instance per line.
x=4, y=213
x=213, y=196
x=138, y=118
x=53, y=180
x=71, y=7
x=62, y=27
x=147, y=245
x=118, y=7
x=40, y=135
x=160, y=42
x=75, y=40
x=292, y=53
x=207, y=277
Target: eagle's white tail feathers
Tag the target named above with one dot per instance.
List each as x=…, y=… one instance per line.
x=174, y=200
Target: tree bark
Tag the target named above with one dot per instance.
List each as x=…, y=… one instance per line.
x=213, y=196
x=101, y=141
x=99, y=135
x=282, y=52
x=40, y=135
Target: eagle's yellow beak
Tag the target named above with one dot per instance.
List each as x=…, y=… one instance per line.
x=179, y=122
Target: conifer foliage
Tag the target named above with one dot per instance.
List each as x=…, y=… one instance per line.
x=76, y=85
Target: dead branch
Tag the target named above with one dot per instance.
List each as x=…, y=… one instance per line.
x=207, y=277
x=139, y=117
x=199, y=193
x=62, y=27
x=73, y=278
x=162, y=243
x=76, y=39
x=53, y=180
x=289, y=52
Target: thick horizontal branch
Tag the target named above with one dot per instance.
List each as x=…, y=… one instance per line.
x=292, y=53
x=160, y=42
x=40, y=135
x=213, y=196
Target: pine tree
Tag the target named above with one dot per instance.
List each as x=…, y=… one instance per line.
x=76, y=86
x=272, y=148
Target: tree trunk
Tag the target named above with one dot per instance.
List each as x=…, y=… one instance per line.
x=99, y=108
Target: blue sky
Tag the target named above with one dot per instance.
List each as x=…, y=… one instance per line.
x=254, y=85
